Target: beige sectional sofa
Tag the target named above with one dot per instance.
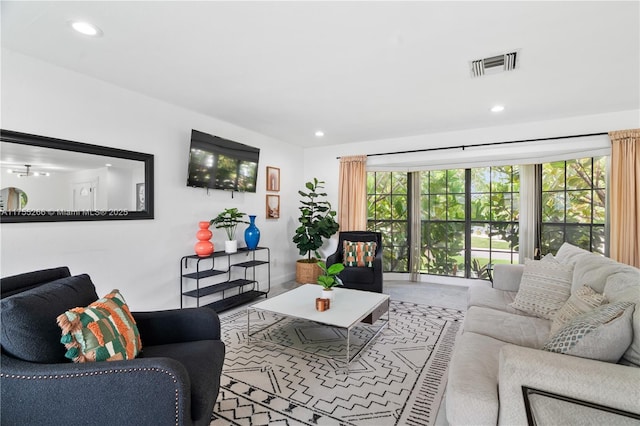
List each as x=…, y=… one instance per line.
x=593, y=305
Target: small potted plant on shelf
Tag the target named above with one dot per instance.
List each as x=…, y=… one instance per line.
x=328, y=278
x=317, y=222
x=229, y=220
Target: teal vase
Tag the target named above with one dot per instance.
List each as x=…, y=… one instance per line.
x=252, y=234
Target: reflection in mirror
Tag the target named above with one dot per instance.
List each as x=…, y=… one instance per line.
x=73, y=181
x=13, y=199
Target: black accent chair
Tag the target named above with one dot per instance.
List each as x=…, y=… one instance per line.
x=174, y=381
x=360, y=278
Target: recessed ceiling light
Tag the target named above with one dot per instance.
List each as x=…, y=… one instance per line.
x=108, y=164
x=319, y=133
x=497, y=108
x=86, y=28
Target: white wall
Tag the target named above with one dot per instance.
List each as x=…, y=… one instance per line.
x=140, y=257
x=43, y=192
x=121, y=189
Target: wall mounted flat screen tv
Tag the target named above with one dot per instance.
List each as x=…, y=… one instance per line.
x=219, y=163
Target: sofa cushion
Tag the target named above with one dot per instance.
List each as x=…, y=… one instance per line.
x=520, y=330
x=493, y=298
x=583, y=300
x=545, y=287
x=28, y=319
x=507, y=276
x=359, y=253
x=603, y=333
x=21, y=282
x=360, y=276
x=625, y=287
x=103, y=331
x=594, y=269
x=472, y=386
x=569, y=254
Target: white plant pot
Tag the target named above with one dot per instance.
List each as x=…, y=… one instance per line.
x=327, y=294
x=231, y=246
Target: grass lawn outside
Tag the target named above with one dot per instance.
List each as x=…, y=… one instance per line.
x=483, y=243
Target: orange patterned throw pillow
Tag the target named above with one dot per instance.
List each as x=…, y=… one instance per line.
x=359, y=253
x=103, y=331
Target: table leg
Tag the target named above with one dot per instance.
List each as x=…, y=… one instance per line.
x=346, y=367
x=389, y=316
x=248, y=325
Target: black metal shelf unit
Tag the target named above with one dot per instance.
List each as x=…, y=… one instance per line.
x=214, y=265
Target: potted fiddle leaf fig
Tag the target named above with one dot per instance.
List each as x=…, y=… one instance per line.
x=328, y=278
x=317, y=222
x=228, y=219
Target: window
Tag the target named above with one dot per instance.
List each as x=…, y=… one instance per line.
x=388, y=213
x=469, y=218
x=495, y=194
x=443, y=200
x=573, y=204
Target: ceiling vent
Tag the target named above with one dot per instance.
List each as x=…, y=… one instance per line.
x=494, y=64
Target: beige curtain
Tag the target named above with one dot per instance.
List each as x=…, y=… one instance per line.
x=625, y=196
x=352, y=196
x=530, y=205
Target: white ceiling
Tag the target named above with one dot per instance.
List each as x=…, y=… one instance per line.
x=357, y=70
x=17, y=156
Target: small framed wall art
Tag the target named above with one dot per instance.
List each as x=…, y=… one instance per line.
x=273, y=206
x=273, y=179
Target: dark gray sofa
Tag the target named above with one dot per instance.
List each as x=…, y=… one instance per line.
x=174, y=381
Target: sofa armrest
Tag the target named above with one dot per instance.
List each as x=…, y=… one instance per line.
x=140, y=391
x=334, y=258
x=610, y=385
x=507, y=277
x=177, y=326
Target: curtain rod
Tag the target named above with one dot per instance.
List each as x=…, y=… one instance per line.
x=486, y=144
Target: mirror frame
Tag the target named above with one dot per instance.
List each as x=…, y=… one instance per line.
x=66, y=145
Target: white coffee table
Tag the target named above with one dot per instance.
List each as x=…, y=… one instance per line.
x=348, y=309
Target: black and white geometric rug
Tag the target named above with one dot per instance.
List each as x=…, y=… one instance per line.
x=399, y=379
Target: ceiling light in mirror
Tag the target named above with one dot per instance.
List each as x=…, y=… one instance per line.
x=319, y=133
x=497, y=108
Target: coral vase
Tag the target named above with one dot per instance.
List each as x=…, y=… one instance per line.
x=252, y=234
x=204, y=247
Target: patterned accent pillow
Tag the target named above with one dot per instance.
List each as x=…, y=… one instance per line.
x=603, y=333
x=544, y=288
x=583, y=300
x=103, y=331
x=359, y=253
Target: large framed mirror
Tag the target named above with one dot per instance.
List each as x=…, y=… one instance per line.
x=44, y=179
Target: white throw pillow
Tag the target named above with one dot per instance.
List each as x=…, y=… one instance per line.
x=603, y=333
x=583, y=300
x=544, y=288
